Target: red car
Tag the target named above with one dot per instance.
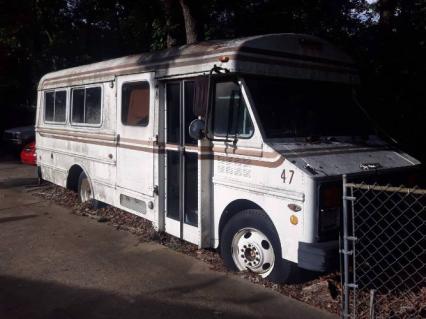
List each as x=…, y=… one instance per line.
x=28, y=154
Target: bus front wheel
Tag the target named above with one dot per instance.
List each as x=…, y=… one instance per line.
x=250, y=242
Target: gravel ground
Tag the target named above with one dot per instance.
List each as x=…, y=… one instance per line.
x=322, y=292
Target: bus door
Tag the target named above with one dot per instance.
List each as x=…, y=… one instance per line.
x=135, y=135
x=181, y=163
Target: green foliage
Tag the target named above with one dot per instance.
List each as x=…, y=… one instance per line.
x=39, y=36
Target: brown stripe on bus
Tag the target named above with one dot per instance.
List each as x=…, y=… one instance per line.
x=127, y=143
x=80, y=140
x=239, y=160
x=138, y=148
x=300, y=64
x=245, y=152
x=226, y=150
x=136, y=141
x=158, y=150
x=77, y=134
x=295, y=56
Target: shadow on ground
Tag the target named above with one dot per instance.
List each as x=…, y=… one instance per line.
x=15, y=218
x=22, y=298
x=18, y=182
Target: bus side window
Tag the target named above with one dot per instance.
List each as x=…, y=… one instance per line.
x=49, y=106
x=86, y=105
x=135, y=104
x=55, y=106
x=230, y=114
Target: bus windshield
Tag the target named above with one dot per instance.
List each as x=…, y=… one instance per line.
x=304, y=108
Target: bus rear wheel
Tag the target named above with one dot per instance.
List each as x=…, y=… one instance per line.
x=85, y=192
x=84, y=188
x=250, y=242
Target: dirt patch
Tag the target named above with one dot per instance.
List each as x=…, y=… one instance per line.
x=322, y=292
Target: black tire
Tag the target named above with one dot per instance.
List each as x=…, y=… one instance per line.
x=92, y=202
x=283, y=271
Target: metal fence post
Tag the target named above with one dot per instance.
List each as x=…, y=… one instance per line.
x=345, y=253
x=372, y=294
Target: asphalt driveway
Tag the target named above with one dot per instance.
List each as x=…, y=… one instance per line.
x=57, y=265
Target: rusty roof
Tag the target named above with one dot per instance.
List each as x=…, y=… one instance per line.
x=284, y=49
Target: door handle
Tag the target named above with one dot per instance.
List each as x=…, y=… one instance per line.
x=118, y=138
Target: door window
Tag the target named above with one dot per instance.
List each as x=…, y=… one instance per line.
x=189, y=111
x=135, y=104
x=191, y=193
x=173, y=105
x=231, y=117
x=182, y=165
x=173, y=185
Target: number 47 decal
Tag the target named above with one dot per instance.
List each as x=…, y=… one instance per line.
x=287, y=176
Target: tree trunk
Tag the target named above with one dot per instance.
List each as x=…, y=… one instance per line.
x=170, y=36
x=191, y=24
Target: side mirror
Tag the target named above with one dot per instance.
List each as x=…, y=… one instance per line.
x=196, y=129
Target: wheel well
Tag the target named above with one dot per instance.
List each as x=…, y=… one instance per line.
x=234, y=208
x=73, y=175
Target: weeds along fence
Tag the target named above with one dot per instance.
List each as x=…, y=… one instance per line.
x=383, y=251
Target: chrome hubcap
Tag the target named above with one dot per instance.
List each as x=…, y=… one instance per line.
x=252, y=250
x=85, y=191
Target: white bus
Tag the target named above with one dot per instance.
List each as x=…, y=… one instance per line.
x=238, y=145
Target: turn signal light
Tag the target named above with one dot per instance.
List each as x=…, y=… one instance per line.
x=224, y=59
x=294, y=220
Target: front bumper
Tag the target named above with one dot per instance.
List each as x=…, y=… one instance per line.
x=320, y=257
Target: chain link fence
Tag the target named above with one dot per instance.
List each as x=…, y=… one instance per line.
x=383, y=251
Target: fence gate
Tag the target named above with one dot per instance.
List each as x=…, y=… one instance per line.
x=383, y=251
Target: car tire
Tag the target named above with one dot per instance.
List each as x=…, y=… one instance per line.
x=85, y=192
x=249, y=240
